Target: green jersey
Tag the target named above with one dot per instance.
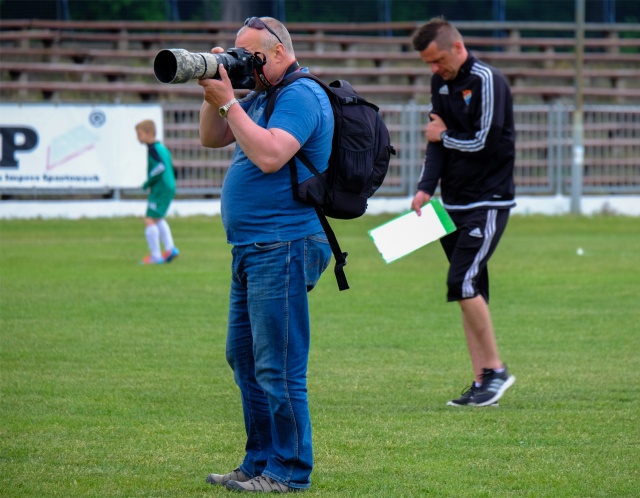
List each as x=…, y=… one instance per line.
x=161, y=180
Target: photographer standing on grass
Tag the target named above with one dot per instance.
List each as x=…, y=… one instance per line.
x=279, y=252
x=471, y=152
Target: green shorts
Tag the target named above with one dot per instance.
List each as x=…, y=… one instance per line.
x=158, y=206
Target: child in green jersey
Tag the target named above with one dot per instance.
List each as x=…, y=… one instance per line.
x=161, y=182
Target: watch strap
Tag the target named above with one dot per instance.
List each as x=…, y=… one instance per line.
x=224, y=110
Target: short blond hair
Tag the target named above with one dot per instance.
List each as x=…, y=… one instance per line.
x=147, y=126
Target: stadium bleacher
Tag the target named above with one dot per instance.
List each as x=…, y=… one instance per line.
x=72, y=61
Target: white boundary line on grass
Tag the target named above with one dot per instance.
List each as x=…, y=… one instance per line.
x=526, y=205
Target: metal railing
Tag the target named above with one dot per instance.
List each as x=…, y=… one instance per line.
x=543, y=150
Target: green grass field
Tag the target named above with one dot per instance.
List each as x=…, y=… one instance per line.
x=114, y=383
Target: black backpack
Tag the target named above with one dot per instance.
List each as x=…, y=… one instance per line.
x=359, y=161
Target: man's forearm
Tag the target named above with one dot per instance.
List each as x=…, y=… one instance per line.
x=431, y=168
x=214, y=129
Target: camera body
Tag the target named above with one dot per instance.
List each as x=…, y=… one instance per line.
x=176, y=65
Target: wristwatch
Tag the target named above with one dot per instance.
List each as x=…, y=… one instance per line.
x=224, y=110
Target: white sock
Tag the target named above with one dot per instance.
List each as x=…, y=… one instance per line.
x=165, y=234
x=153, y=241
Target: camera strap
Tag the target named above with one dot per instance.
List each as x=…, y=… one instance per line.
x=258, y=64
x=291, y=69
x=271, y=88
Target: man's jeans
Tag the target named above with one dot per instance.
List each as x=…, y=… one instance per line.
x=268, y=349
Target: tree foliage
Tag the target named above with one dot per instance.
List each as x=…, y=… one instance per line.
x=325, y=10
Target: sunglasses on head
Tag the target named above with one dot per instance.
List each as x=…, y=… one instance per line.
x=257, y=23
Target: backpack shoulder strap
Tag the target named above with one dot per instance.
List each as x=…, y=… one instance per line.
x=271, y=102
x=338, y=254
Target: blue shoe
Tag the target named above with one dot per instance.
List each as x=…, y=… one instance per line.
x=169, y=256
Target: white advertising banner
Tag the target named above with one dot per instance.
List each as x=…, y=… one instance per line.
x=74, y=146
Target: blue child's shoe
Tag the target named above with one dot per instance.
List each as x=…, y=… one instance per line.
x=170, y=255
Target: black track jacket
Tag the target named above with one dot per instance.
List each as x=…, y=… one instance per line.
x=475, y=160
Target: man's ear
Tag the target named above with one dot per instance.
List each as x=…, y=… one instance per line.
x=279, y=52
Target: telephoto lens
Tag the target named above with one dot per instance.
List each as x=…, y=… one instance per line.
x=176, y=65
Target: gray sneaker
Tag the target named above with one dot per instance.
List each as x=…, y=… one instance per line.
x=494, y=385
x=466, y=396
x=260, y=484
x=236, y=475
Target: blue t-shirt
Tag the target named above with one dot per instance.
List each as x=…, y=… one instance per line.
x=259, y=207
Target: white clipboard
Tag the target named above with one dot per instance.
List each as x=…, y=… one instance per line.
x=409, y=232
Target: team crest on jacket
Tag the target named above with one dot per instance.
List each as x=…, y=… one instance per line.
x=466, y=95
